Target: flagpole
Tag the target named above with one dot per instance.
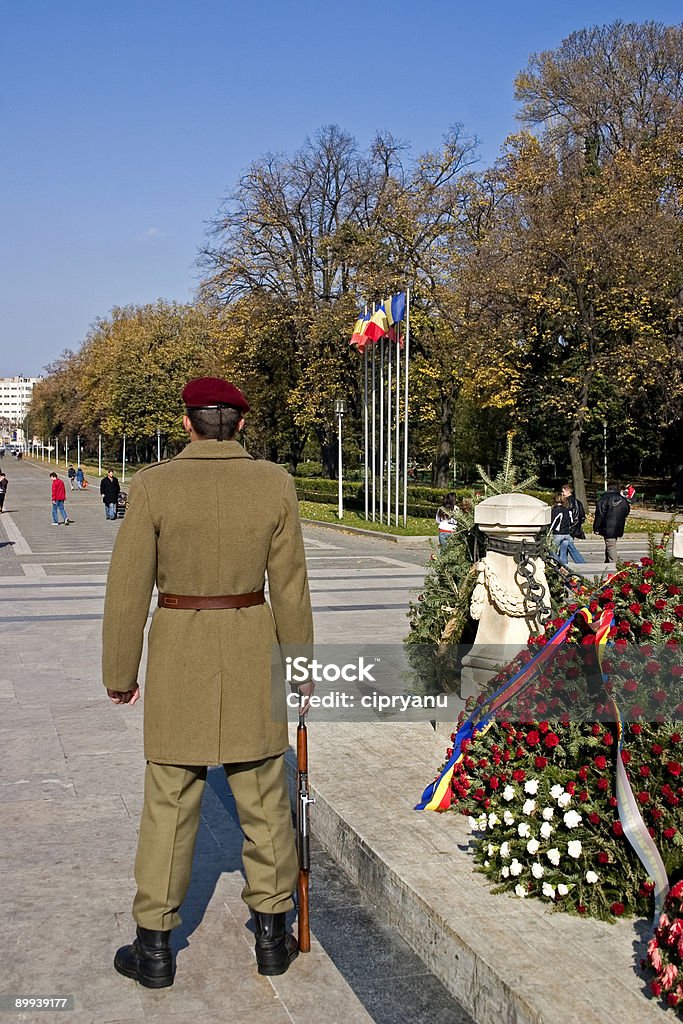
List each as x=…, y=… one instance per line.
x=381, y=430
x=389, y=432
x=398, y=421
x=365, y=419
x=374, y=433
x=405, y=414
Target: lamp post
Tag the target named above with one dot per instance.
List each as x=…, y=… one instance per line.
x=339, y=410
x=604, y=450
x=158, y=444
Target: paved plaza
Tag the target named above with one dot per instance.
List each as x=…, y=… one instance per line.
x=70, y=797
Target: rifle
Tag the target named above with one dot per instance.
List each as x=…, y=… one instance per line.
x=303, y=799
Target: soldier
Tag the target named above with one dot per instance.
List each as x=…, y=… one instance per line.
x=208, y=691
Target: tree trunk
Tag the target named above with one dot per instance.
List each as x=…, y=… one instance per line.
x=296, y=447
x=443, y=457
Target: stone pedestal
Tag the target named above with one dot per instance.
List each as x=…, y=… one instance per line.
x=678, y=543
x=505, y=624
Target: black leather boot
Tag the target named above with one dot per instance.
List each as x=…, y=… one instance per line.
x=148, y=960
x=275, y=950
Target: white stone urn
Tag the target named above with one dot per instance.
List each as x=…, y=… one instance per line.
x=506, y=616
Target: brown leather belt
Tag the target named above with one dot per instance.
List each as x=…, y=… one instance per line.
x=220, y=601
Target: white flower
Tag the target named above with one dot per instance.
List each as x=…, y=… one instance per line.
x=537, y=870
x=553, y=856
x=493, y=819
x=548, y=890
x=591, y=877
x=524, y=830
x=556, y=791
x=548, y=813
x=520, y=891
x=574, y=848
x=531, y=787
x=546, y=830
x=505, y=871
x=481, y=823
x=508, y=793
x=509, y=818
x=473, y=823
x=515, y=867
x=505, y=849
x=529, y=807
x=491, y=850
x=486, y=863
x=564, y=800
x=532, y=846
x=562, y=889
x=572, y=819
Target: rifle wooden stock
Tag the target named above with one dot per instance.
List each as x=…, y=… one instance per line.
x=303, y=799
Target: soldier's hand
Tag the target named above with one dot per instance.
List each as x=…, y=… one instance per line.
x=305, y=694
x=124, y=696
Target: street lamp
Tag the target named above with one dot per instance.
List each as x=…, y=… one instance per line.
x=604, y=450
x=158, y=444
x=339, y=410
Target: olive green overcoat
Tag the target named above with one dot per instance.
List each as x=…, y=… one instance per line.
x=211, y=521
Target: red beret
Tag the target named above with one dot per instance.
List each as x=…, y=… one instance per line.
x=206, y=392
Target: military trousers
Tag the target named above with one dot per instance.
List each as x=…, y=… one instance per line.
x=168, y=830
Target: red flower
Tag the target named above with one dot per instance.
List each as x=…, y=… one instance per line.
x=603, y=784
x=646, y=560
x=552, y=740
x=659, y=604
x=581, y=908
x=644, y=589
x=678, y=610
x=625, y=757
x=630, y=685
x=603, y=858
x=656, y=987
x=533, y=738
x=617, y=828
x=626, y=589
x=519, y=774
x=644, y=771
x=656, y=749
x=675, y=737
x=669, y=833
x=636, y=729
x=613, y=801
x=635, y=608
x=659, y=696
x=543, y=726
x=583, y=795
x=608, y=739
x=494, y=782
x=674, y=768
x=594, y=818
x=646, y=628
x=667, y=627
x=600, y=762
x=655, y=814
x=607, y=594
x=643, y=797
x=571, y=788
x=617, y=909
x=478, y=794
x=596, y=728
x=672, y=590
x=624, y=626
x=583, y=772
x=540, y=762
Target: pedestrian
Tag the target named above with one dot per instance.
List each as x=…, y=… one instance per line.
x=80, y=477
x=560, y=529
x=71, y=473
x=58, y=499
x=110, y=490
x=611, y=511
x=628, y=491
x=208, y=689
x=446, y=519
x=577, y=513
x=3, y=490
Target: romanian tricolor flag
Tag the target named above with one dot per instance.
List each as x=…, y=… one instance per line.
x=358, y=336
x=437, y=796
x=377, y=327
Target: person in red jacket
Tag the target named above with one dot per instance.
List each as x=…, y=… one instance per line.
x=58, y=499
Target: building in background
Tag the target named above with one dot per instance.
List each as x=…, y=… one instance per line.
x=15, y=398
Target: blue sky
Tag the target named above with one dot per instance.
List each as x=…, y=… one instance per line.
x=124, y=124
